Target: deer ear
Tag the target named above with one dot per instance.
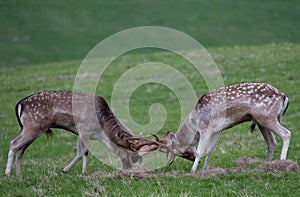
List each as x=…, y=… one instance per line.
x=174, y=139
x=167, y=133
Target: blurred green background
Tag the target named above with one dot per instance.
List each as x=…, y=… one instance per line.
x=53, y=31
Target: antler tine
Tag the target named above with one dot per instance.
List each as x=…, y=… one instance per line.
x=172, y=157
x=132, y=148
x=134, y=138
x=169, y=151
x=156, y=138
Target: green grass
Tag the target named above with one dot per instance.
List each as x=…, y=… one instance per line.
x=277, y=64
x=53, y=31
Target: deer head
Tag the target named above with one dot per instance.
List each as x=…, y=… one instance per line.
x=170, y=142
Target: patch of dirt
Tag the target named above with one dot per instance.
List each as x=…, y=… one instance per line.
x=87, y=75
x=41, y=79
x=102, y=174
x=237, y=169
x=61, y=78
x=274, y=166
x=124, y=173
x=58, y=78
x=243, y=162
x=214, y=172
x=139, y=175
x=280, y=165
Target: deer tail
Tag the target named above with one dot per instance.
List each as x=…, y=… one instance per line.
x=49, y=133
x=18, y=110
x=253, y=125
x=285, y=105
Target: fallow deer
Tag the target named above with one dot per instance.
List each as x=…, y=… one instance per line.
x=224, y=108
x=85, y=115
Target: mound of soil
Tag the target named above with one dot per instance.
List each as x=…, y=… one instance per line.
x=280, y=165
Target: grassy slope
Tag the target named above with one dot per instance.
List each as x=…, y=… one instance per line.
x=272, y=63
x=41, y=32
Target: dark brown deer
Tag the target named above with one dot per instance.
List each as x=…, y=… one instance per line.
x=85, y=115
x=224, y=108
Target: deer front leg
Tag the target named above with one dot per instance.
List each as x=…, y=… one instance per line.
x=207, y=143
x=203, y=140
x=196, y=162
x=84, y=146
x=76, y=159
x=211, y=146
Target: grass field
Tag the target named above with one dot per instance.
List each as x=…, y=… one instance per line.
x=42, y=45
x=276, y=64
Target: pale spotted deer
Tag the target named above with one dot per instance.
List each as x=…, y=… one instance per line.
x=224, y=108
x=85, y=115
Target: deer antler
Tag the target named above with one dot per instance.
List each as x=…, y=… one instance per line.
x=143, y=146
x=156, y=138
x=140, y=144
x=168, y=149
x=172, y=157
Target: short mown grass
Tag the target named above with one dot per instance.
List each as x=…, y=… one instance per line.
x=277, y=64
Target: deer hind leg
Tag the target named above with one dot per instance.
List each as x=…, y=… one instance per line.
x=270, y=140
x=19, y=155
x=18, y=147
x=12, y=150
x=10, y=159
x=283, y=133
